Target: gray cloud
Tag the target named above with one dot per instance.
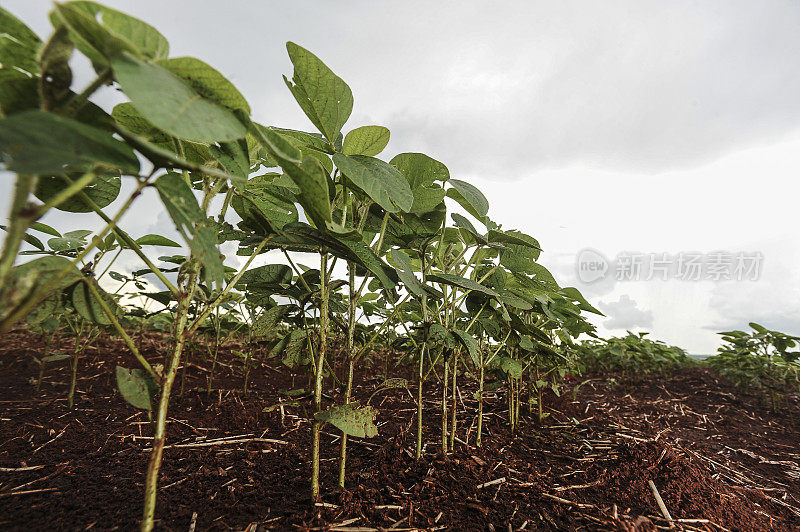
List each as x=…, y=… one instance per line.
x=502, y=91
x=625, y=314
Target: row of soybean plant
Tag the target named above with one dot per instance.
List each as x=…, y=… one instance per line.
x=456, y=296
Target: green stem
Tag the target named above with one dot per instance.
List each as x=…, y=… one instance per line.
x=351, y=329
x=316, y=427
x=79, y=100
x=444, y=404
x=74, y=371
x=18, y=224
x=115, y=323
x=110, y=264
x=159, y=156
x=219, y=299
x=63, y=195
x=478, y=440
x=131, y=243
x=455, y=391
x=216, y=351
x=154, y=465
x=424, y=302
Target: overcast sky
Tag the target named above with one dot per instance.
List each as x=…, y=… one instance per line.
x=639, y=127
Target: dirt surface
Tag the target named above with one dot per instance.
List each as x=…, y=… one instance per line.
x=719, y=458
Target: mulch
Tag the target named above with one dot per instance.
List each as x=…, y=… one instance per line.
x=718, y=457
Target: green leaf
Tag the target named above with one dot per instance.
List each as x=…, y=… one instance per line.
x=471, y=345
x=366, y=140
x=17, y=59
x=55, y=77
x=515, y=238
x=526, y=343
x=86, y=304
x=306, y=173
x=511, y=367
x=310, y=178
x=427, y=198
x=126, y=115
x=233, y=157
x=419, y=169
x=206, y=81
x=264, y=206
x=293, y=352
x=44, y=228
x=32, y=240
x=303, y=139
x=18, y=92
x=136, y=386
x=180, y=201
x=17, y=30
x=463, y=283
x=469, y=197
x=512, y=300
x=583, y=304
x=463, y=223
x=167, y=102
x=325, y=99
x=66, y=243
x=268, y=321
x=148, y=40
x=182, y=207
x=156, y=240
x=39, y=271
x=35, y=142
x=308, y=238
x=441, y=336
x=351, y=419
x=406, y=273
x=102, y=191
x=95, y=40
x=379, y=180
x=45, y=311
x=273, y=274
x=144, y=38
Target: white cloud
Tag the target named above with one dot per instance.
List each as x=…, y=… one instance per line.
x=625, y=314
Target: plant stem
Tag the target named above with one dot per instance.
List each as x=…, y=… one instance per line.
x=220, y=298
x=74, y=373
x=153, y=467
x=455, y=391
x=185, y=297
x=444, y=404
x=316, y=426
x=351, y=329
x=64, y=194
x=127, y=339
x=18, y=224
x=216, y=351
x=135, y=247
x=424, y=302
x=478, y=440
x=79, y=100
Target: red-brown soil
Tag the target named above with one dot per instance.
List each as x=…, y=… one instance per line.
x=719, y=458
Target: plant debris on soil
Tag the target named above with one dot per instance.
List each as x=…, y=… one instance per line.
x=718, y=457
